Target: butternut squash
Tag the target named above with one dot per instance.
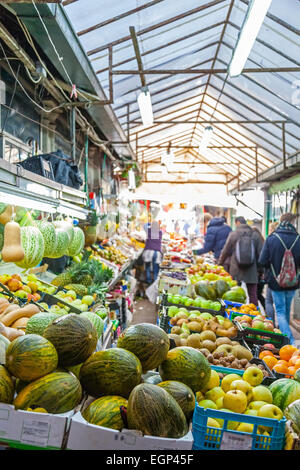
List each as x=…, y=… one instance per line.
x=6, y=215
x=12, y=250
x=20, y=323
x=4, y=306
x=13, y=316
x=10, y=333
x=9, y=308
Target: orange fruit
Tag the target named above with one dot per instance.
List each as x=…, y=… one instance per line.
x=270, y=361
x=291, y=370
x=293, y=360
x=281, y=368
x=262, y=354
x=297, y=364
x=287, y=351
x=296, y=353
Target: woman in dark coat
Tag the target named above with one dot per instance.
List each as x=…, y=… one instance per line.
x=247, y=274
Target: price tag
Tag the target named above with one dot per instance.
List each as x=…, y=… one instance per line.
x=233, y=441
x=35, y=432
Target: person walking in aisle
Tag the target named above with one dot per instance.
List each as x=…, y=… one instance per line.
x=243, y=246
x=261, y=278
x=152, y=255
x=270, y=311
x=281, y=257
x=215, y=238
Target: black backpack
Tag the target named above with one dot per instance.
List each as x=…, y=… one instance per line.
x=245, y=251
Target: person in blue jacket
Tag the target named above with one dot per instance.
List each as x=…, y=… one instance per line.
x=271, y=258
x=215, y=238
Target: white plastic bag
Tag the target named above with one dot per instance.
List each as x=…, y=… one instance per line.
x=152, y=292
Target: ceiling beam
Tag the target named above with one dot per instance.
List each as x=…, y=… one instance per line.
x=137, y=55
x=206, y=71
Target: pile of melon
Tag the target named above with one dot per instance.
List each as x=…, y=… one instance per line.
x=26, y=244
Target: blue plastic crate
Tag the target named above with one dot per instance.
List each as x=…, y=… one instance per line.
x=228, y=303
x=210, y=438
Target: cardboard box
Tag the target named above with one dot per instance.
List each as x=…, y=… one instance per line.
x=85, y=436
x=30, y=430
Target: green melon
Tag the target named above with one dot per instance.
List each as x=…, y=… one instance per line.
x=4, y=343
x=148, y=342
x=105, y=411
x=74, y=337
x=96, y=321
x=154, y=412
x=62, y=243
x=284, y=392
x=57, y=392
x=6, y=386
x=182, y=394
x=39, y=322
x=113, y=371
x=187, y=365
x=77, y=244
x=29, y=357
x=33, y=245
x=154, y=378
x=47, y=229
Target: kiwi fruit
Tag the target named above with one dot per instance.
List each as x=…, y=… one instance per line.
x=194, y=326
x=208, y=335
x=176, y=330
x=208, y=344
x=241, y=352
x=194, y=341
x=223, y=340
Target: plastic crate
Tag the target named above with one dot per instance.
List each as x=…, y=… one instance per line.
x=255, y=337
x=209, y=438
x=232, y=315
x=256, y=351
x=38, y=165
x=228, y=370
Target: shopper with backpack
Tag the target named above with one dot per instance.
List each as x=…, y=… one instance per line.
x=281, y=258
x=243, y=246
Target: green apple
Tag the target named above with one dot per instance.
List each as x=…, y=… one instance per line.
x=256, y=405
x=253, y=375
x=226, y=381
x=243, y=386
x=208, y=404
x=213, y=423
x=270, y=411
x=214, y=394
x=88, y=300
x=21, y=294
x=172, y=311
x=231, y=425
x=251, y=412
x=235, y=400
x=245, y=427
x=262, y=393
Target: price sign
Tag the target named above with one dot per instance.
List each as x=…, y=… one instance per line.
x=233, y=441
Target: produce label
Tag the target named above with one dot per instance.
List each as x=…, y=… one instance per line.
x=4, y=422
x=233, y=441
x=35, y=432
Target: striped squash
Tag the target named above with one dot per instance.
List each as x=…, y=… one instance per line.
x=62, y=243
x=105, y=411
x=4, y=343
x=47, y=229
x=154, y=412
x=74, y=337
x=57, y=392
x=33, y=245
x=6, y=386
x=77, y=244
x=182, y=394
x=148, y=342
x=31, y=356
x=187, y=365
x=95, y=320
x=113, y=371
x=284, y=392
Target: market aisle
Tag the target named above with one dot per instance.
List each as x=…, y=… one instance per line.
x=144, y=312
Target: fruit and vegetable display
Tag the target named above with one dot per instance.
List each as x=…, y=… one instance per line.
x=284, y=361
x=259, y=322
x=113, y=254
x=196, y=301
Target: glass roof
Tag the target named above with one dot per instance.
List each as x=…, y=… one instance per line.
x=177, y=35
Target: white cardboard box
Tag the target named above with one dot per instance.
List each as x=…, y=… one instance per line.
x=24, y=428
x=85, y=436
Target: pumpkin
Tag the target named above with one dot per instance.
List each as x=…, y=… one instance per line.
x=148, y=342
x=57, y=392
x=33, y=246
x=7, y=387
x=113, y=371
x=105, y=411
x=284, y=392
x=187, y=365
x=30, y=357
x=154, y=412
x=12, y=250
x=74, y=337
x=182, y=394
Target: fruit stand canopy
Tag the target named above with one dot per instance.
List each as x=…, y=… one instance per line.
x=192, y=34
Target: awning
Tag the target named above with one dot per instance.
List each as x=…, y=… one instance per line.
x=286, y=185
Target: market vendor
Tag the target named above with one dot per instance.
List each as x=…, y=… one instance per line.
x=152, y=255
